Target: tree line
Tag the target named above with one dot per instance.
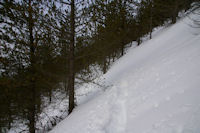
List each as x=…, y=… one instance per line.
x=46, y=44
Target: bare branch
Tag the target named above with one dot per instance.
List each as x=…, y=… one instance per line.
x=66, y=3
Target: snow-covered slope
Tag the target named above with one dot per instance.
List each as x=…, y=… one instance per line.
x=155, y=89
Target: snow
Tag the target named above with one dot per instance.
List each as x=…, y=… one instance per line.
x=154, y=88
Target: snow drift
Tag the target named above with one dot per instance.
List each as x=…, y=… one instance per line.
x=155, y=88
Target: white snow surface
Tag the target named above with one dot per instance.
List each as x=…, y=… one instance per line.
x=154, y=88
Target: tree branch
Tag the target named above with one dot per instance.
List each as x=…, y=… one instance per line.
x=66, y=3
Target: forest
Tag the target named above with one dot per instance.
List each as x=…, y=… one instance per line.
x=49, y=46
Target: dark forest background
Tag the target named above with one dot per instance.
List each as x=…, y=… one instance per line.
x=45, y=45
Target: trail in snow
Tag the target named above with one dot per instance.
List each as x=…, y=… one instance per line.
x=118, y=118
x=155, y=89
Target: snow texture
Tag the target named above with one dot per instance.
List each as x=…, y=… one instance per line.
x=154, y=88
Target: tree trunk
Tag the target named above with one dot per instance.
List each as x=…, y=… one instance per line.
x=104, y=66
x=151, y=21
x=138, y=41
x=32, y=112
x=123, y=20
x=71, y=59
x=150, y=34
x=9, y=114
x=65, y=85
x=31, y=109
x=122, y=48
x=50, y=95
x=175, y=12
x=113, y=57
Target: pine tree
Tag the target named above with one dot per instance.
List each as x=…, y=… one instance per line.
x=71, y=58
x=74, y=15
x=24, y=34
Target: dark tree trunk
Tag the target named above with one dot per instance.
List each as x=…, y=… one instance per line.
x=71, y=59
x=113, y=57
x=122, y=6
x=138, y=41
x=104, y=66
x=173, y=19
x=109, y=58
x=151, y=21
x=150, y=34
x=175, y=12
x=65, y=85
x=31, y=109
x=122, y=48
x=50, y=96
x=32, y=112
x=9, y=114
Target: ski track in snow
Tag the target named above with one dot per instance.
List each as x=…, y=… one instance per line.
x=118, y=118
x=155, y=89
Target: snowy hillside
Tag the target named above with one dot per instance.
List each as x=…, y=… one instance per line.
x=155, y=88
